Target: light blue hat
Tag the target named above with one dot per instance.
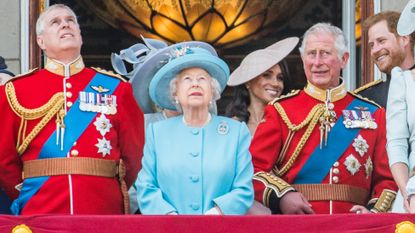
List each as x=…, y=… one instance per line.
x=146, y=60
x=183, y=56
x=406, y=24
x=141, y=57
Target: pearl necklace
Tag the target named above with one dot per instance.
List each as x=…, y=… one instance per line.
x=205, y=123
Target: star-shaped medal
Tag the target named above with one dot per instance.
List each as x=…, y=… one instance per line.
x=352, y=164
x=360, y=145
x=102, y=124
x=104, y=146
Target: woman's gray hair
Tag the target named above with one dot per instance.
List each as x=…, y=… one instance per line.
x=40, y=23
x=340, y=42
x=216, y=90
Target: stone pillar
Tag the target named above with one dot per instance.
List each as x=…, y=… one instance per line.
x=10, y=34
x=395, y=5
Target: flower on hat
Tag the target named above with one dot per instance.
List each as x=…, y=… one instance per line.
x=180, y=51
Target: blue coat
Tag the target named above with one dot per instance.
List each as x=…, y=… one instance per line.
x=190, y=170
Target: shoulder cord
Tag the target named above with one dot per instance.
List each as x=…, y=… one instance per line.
x=311, y=120
x=53, y=107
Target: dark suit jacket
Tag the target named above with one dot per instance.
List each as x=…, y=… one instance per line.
x=378, y=92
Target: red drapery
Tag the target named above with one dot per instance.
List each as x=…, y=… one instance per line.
x=356, y=223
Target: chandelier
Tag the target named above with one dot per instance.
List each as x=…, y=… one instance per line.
x=222, y=23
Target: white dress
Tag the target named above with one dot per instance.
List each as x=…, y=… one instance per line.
x=400, y=122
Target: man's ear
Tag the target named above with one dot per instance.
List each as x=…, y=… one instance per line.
x=345, y=59
x=404, y=41
x=40, y=42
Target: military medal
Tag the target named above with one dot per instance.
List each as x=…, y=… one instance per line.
x=368, y=119
x=327, y=121
x=368, y=167
x=82, y=101
x=352, y=164
x=98, y=102
x=91, y=102
x=360, y=118
x=102, y=124
x=113, y=105
x=104, y=146
x=360, y=145
x=348, y=119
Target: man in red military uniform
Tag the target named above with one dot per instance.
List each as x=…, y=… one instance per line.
x=322, y=149
x=72, y=136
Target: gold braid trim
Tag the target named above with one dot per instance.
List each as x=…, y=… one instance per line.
x=311, y=120
x=367, y=86
x=272, y=183
x=47, y=111
x=357, y=95
x=307, y=120
x=109, y=73
x=384, y=202
x=286, y=96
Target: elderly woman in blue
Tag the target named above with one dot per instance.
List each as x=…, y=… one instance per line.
x=197, y=162
x=400, y=120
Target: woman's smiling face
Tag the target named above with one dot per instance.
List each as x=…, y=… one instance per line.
x=268, y=85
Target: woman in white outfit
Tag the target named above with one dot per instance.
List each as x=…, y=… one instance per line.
x=400, y=122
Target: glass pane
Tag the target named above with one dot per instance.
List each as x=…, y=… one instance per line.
x=138, y=9
x=252, y=8
x=229, y=9
x=194, y=9
x=242, y=30
x=170, y=9
x=209, y=28
x=169, y=29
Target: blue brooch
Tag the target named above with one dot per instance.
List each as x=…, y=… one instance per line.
x=223, y=128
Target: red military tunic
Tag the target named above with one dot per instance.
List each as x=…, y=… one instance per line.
x=71, y=194
x=364, y=168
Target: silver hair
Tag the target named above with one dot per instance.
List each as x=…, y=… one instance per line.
x=216, y=90
x=340, y=42
x=40, y=23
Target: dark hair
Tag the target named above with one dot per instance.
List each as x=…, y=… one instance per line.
x=238, y=107
x=3, y=67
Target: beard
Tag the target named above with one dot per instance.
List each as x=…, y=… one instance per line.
x=395, y=58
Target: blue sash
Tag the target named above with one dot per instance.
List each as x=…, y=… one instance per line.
x=339, y=139
x=76, y=121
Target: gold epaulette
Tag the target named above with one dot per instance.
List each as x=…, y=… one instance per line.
x=367, y=85
x=22, y=75
x=272, y=183
x=286, y=96
x=109, y=73
x=364, y=99
x=384, y=203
